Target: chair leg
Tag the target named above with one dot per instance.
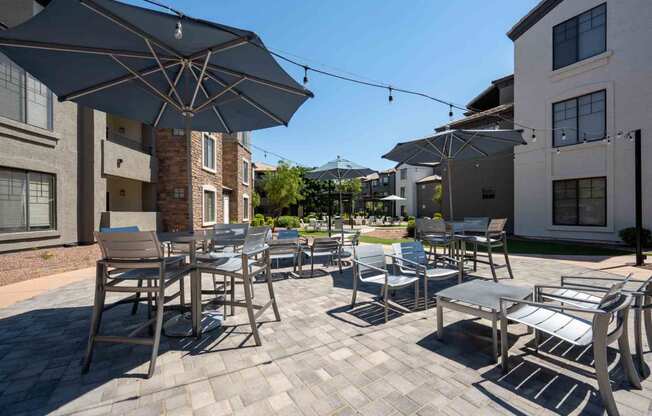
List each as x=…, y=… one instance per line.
x=182, y=291
x=96, y=318
x=626, y=359
x=638, y=336
x=475, y=257
x=312, y=266
x=647, y=317
x=491, y=263
x=386, y=303
x=250, y=310
x=416, y=295
x=134, y=308
x=504, y=345
x=355, y=291
x=602, y=374
x=160, y=304
x=270, y=288
x=425, y=292
x=232, y=295
x=509, y=266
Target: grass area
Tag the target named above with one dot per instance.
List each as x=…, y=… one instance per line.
x=379, y=240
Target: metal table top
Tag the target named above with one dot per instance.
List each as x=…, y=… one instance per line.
x=484, y=293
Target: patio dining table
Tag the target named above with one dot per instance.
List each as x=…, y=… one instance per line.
x=198, y=320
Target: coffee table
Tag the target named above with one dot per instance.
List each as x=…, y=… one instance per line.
x=479, y=298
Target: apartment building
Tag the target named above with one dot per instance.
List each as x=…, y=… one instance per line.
x=67, y=170
x=375, y=187
x=485, y=187
x=407, y=177
x=582, y=79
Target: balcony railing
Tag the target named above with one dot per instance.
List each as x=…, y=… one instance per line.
x=127, y=142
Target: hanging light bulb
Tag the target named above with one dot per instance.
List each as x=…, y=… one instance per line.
x=178, y=31
x=584, y=138
x=390, y=98
x=450, y=111
x=497, y=125
x=619, y=135
x=563, y=134
x=630, y=136
x=607, y=139
x=477, y=164
x=265, y=155
x=534, y=135
x=305, y=75
x=558, y=151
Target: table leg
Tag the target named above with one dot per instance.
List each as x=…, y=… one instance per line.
x=494, y=335
x=440, y=319
x=195, y=291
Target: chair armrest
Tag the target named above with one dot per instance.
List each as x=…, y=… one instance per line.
x=551, y=307
x=254, y=252
x=410, y=262
x=371, y=267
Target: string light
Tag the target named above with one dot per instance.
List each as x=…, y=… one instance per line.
x=390, y=98
x=619, y=135
x=497, y=125
x=563, y=135
x=558, y=151
x=584, y=138
x=534, y=136
x=450, y=112
x=477, y=164
x=630, y=136
x=305, y=75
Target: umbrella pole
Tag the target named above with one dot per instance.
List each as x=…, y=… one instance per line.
x=330, y=206
x=450, y=189
x=188, y=134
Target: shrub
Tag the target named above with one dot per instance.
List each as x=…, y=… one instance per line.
x=628, y=235
x=411, y=226
x=269, y=221
x=258, y=220
x=437, y=216
x=287, y=221
x=411, y=218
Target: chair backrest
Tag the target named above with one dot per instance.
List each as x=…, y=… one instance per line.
x=285, y=234
x=255, y=240
x=325, y=244
x=412, y=251
x=338, y=224
x=129, y=245
x=229, y=234
x=496, y=226
x=369, y=254
x=127, y=229
x=430, y=226
x=476, y=224
x=611, y=297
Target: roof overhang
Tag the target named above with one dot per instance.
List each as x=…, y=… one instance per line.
x=537, y=13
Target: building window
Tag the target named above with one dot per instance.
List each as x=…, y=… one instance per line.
x=245, y=171
x=178, y=132
x=403, y=174
x=208, y=152
x=402, y=195
x=27, y=201
x=488, y=193
x=209, y=200
x=580, y=202
x=580, y=119
x=245, y=207
x=385, y=180
x=22, y=97
x=179, y=193
x=581, y=37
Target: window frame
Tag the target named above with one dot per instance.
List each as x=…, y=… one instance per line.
x=577, y=119
x=403, y=174
x=577, y=200
x=52, y=208
x=577, y=37
x=203, y=152
x=204, y=190
x=245, y=207
x=402, y=191
x=247, y=170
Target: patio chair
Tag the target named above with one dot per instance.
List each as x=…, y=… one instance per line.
x=253, y=260
x=129, y=257
x=369, y=266
x=322, y=247
x=286, y=246
x=608, y=325
x=435, y=233
x=585, y=291
x=411, y=260
x=494, y=237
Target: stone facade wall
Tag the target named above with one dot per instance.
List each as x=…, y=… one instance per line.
x=232, y=170
x=202, y=177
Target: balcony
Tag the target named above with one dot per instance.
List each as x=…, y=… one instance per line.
x=127, y=158
x=145, y=221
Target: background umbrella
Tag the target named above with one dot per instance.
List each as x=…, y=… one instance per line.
x=338, y=170
x=455, y=145
x=393, y=198
x=166, y=70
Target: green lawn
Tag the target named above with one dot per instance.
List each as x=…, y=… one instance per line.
x=516, y=246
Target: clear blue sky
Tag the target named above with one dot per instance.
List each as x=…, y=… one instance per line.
x=450, y=49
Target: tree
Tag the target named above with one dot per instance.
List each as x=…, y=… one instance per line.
x=283, y=187
x=438, y=195
x=255, y=200
x=352, y=187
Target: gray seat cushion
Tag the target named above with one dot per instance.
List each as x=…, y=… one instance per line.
x=171, y=272
x=575, y=330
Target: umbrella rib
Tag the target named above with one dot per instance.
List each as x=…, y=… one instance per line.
x=212, y=99
x=203, y=89
x=114, y=82
x=165, y=73
x=246, y=98
x=165, y=104
x=441, y=154
x=30, y=44
x=91, y=4
x=262, y=81
x=221, y=47
x=147, y=83
x=201, y=76
x=470, y=145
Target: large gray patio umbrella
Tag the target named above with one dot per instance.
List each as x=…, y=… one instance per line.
x=451, y=145
x=393, y=198
x=167, y=70
x=337, y=170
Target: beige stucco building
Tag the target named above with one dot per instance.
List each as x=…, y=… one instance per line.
x=582, y=68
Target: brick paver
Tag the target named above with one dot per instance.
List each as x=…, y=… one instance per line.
x=323, y=358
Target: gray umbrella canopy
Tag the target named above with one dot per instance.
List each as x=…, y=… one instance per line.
x=338, y=170
x=450, y=145
x=126, y=60
x=170, y=71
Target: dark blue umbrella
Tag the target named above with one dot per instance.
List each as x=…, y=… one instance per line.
x=167, y=70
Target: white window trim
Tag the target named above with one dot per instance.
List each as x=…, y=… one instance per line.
x=245, y=201
x=206, y=168
x=244, y=159
x=213, y=189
